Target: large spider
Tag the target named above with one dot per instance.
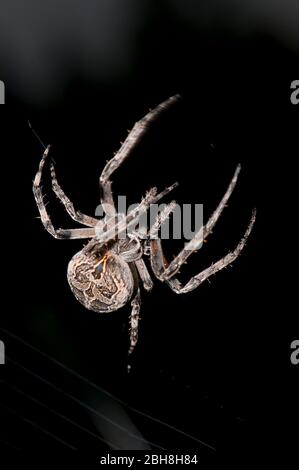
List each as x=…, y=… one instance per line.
x=105, y=274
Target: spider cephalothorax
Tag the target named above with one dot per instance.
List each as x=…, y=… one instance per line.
x=105, y=274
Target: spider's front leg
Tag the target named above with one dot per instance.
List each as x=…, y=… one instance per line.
x=131, y=141
x=106, y=234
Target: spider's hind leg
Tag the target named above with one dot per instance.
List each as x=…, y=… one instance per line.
x=45, y=218
x=69, y=207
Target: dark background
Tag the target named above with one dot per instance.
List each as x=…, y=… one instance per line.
x=214, y=363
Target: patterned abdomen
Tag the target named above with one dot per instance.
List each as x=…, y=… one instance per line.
x=100, y=283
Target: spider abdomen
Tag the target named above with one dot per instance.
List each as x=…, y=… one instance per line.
x=100, y=283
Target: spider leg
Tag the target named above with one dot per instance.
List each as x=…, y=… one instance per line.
x=45, y=218
x=132, y=218
x=144, y=274
x=158, y=263
x=130, y=249
x=75, y=215
x=134, y=322
x=131, y=141
x=75, y=233
x=161, y=218
x=203, y=232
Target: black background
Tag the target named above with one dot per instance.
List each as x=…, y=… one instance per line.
x=216, y=362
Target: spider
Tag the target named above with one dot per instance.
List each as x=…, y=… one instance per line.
x=105, y=274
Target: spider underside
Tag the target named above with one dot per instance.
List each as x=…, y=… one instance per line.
x=106, y=273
